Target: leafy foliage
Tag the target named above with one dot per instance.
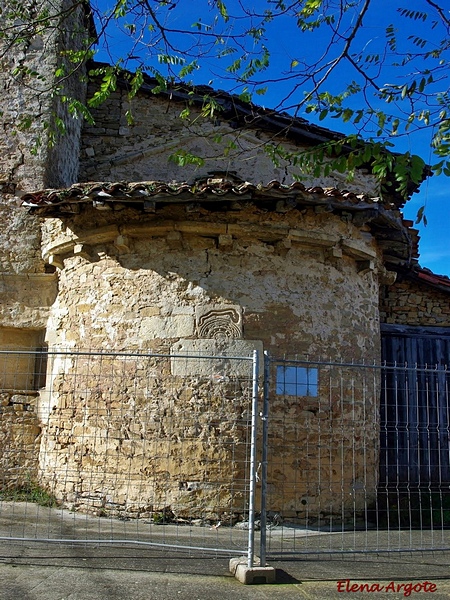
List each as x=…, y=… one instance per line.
x=381, y=74
x=29, y=492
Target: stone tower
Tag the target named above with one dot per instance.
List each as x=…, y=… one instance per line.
x=34, y=156
x=34, y=153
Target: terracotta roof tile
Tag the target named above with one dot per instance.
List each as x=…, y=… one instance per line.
x=80, y=193
x=427, y=276
x=384, y=218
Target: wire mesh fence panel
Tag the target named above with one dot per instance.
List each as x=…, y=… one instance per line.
x=328, y=437
x=126, y=448
x=157, y=449
x=414, y=486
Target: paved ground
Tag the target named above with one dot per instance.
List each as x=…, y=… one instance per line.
x=32, y=570
x=43, y=572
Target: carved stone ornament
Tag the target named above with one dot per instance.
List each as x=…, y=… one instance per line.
x=218, y=322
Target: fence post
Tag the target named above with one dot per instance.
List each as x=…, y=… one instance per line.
x=252, y=475
x=264, y=460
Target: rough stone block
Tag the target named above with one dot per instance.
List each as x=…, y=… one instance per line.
x=171, y=327
x=215, y=369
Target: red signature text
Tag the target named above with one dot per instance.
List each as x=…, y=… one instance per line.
x=346, y=585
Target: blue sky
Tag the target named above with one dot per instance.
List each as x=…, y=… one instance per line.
x=287, y=44
x=435, y=237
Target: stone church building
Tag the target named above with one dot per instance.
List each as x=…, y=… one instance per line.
x=108, y=245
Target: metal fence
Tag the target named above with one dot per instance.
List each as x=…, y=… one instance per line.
x=199, y=452
x=357, y=458
x=128, y=448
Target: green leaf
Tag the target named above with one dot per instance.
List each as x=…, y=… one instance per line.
x=245, y=95
x=437, y=168
x=188, y=69
x=25, y=123
x=210, y=107
x=170, y=59
x=235, y=66
x=229, y=147
x=222, y=10
x=77, y=109
x=183, y=158
x=136, y=83
x=358, y=117
x=107, y=86
x=129, y=117
x=347, y=114
x=417, y=168
x=420, y=215
x=226, y=52
x=121, y=9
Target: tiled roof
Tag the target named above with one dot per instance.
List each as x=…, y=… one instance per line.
x=441, y=282
x=54, y=200
x=396, y=238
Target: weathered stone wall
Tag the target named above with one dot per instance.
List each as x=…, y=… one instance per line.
x=113, y=150
x=124, y=440
x=133, y=437
x=140, y=279
x=413, y=303
x=34, y=153
x=172, y=281
x=25, y=299
x=323, y=465
x=19, y=438
x=28, y=109
x=127, y=437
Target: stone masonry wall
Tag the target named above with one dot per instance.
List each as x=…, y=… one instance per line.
x=172, y=282
x=28, y=110
x=140, y=278
x=413, y=303
x=323, y=450
x=176, y=281
x=19, y=439
x=113, y=150
x=126, y=437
